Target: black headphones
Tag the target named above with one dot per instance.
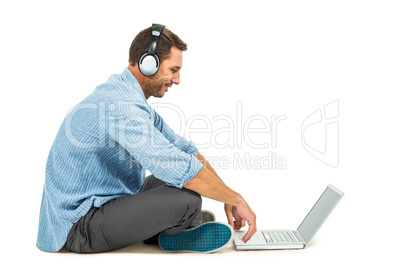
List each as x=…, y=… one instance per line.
x=149, y=61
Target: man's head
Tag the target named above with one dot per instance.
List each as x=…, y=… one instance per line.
x=169, y=50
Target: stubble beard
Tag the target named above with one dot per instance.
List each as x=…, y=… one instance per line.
x=155, y=87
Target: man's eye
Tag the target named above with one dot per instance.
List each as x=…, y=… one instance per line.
x=174, y=70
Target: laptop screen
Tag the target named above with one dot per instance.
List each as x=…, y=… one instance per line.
x=319, y=213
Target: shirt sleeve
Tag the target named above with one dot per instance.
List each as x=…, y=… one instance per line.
x=133, y=127
x=179, y=141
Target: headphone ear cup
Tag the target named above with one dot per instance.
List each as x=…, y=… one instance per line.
x=148, y=64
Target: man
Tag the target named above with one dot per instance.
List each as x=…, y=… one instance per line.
x=96, y=198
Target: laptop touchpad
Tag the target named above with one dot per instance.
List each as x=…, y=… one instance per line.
x=257, y=239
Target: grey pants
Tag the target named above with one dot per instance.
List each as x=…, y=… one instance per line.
x=135, y=218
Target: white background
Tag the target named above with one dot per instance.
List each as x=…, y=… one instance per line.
x=275, y=57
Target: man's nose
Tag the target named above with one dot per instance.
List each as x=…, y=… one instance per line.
x=176, y=79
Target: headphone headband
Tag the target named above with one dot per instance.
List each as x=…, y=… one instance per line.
x=156, y=32
x=157, y=29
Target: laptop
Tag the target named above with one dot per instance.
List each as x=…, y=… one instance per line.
x=293, y=239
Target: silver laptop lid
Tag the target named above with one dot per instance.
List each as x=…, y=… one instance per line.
x=317, y=215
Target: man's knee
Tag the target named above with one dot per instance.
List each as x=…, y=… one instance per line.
x=187, y=200
x=185, y=207
x=193, y=199
x=179, y=201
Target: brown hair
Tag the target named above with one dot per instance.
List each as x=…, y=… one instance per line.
x=166, y=41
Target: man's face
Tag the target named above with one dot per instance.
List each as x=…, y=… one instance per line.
x=167, y=75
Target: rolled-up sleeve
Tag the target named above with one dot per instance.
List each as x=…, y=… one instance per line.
x=183, y=144
x=165, y=155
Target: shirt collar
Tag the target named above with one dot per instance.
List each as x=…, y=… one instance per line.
x=133, y=84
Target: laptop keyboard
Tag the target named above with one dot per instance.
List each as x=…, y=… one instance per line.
x=281, y=237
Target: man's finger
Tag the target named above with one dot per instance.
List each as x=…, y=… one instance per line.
x=231, y=222
x=243, y=223
x=229, y=216
x=251, y=231
x=237, y=225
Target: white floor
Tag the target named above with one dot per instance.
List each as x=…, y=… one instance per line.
x=140, y=254
x=326, y=250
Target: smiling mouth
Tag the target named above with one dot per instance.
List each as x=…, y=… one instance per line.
x=167, y=86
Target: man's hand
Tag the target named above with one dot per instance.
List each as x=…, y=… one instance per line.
x=207, y=183
x=241, y=214
x=233, y=217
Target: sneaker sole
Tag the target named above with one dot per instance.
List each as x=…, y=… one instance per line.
x=206, y=238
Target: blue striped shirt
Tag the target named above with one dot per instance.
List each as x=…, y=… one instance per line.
x=101, y=152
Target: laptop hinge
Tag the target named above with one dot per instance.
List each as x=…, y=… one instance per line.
x=299, y=237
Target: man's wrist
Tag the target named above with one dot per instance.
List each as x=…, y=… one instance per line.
x=238, y=200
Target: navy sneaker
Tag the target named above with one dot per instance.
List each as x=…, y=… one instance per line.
x=207, y=216
x=205, y=238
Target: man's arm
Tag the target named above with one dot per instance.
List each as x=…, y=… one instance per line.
x=179, y=141
x=230, y=211
x=207, y=183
